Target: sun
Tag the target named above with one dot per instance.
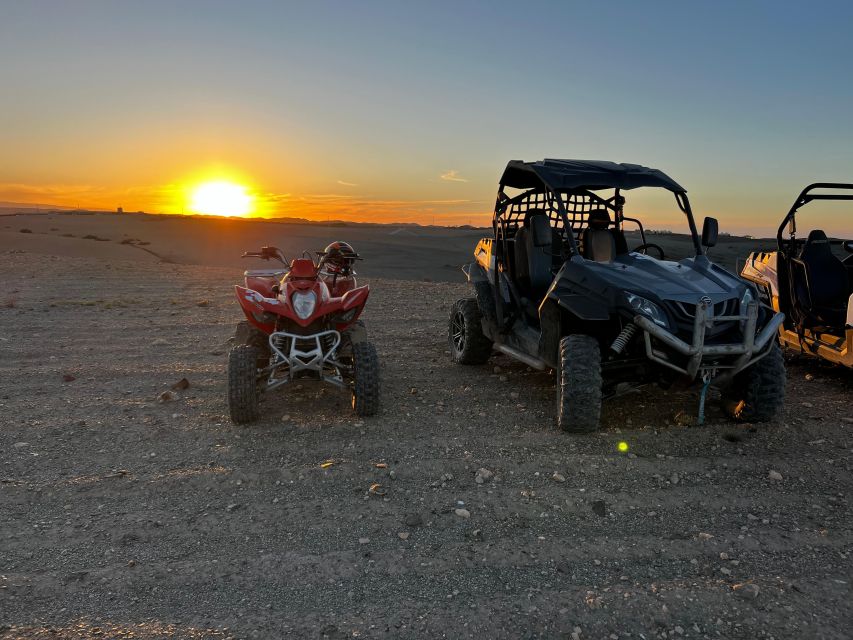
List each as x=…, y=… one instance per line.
x=221, y=198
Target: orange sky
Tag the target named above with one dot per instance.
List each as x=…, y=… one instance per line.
x=407, y=112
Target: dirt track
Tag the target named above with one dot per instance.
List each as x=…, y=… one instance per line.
x=162, y=519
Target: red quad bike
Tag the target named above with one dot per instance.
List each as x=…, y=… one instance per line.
x=302, y=323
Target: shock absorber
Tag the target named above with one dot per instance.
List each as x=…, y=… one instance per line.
x=624, y=338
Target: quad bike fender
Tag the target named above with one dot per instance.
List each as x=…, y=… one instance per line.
x=259, y=310
x=355, y=297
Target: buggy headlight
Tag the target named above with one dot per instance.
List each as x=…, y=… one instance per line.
x=304, y=303
x=647, y=308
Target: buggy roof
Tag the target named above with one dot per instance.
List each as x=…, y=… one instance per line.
x=587, y=174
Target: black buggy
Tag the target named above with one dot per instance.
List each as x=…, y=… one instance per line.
x=557, y=287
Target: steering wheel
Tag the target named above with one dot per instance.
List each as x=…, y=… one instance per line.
x=644, y=249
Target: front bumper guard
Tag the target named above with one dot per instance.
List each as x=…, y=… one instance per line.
x=752, y=349
x=294, y=353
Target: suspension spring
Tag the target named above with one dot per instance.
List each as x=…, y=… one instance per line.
x=624, y=338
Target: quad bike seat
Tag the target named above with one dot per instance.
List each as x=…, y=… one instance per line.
x=820, y=282
x=598, y=241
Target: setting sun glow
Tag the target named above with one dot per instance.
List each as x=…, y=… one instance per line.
x=221, y=198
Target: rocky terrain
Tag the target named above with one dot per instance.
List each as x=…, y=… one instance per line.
x=458, y=512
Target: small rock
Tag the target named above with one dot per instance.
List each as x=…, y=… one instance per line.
x=705, y=536
x=774, y=475
x=558, y=477
x=159, y=342
x=462, y=513
x=413, y=391
x=403, y=535
x=748, y=591
x=181, y=384
x=724, y=555
x=496, y=370
x=232, y=507
x=503, y=378
x=809, y=377
x=564, y=567
x=674, y=479
x=807, y=405
x=483, y=475
x=363, y=540
x=21, y=445
x=166, y=396
x=413, y=520
x=202, y=303
x=68, y=378
x=285, y=417
x=725, y=571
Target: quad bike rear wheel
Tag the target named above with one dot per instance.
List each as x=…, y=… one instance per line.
x=579, y=384
x=243, y=388
x=757, y=394
x=365, y=389
x=468, y=343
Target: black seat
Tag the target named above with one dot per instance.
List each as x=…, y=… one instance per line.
x=822, y=289
x=598, y=241
x=534, y=262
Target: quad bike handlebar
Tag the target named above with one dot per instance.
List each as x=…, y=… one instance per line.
x=267, y=253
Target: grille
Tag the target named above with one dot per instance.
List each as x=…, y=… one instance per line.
x=684, y=315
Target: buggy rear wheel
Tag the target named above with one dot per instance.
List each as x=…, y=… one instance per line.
x=757, y=394
x=243, y=388
x=365, y=388
x=468, y=343
x=579, y=384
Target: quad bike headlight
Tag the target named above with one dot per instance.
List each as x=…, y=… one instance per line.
x=304, y=303
x=647, y=308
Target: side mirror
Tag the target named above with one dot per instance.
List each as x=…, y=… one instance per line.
x=710, y=231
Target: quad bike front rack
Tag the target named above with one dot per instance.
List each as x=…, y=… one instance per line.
x=304, y=353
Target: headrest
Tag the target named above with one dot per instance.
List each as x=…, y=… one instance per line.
x=598, y=219
x=530, y=213
x=817, y=236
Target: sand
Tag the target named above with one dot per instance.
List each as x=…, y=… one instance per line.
x=122, y=514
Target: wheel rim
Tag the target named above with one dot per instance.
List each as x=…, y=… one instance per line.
x=457, y=332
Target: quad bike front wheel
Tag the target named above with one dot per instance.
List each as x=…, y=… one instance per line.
x=579, y=384
x=243, y=388
x=365, y=388
x=757, y=394
x=468, y=343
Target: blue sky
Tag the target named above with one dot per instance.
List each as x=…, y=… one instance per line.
x=373, y=102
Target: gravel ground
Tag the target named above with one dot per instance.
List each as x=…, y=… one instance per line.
x=128, y=517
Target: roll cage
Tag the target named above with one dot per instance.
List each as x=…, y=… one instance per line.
x=788, y=248
x=564, y=191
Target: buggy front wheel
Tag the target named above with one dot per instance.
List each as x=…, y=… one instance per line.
x=579, y=384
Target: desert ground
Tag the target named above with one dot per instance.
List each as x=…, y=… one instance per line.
x=128, y=517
